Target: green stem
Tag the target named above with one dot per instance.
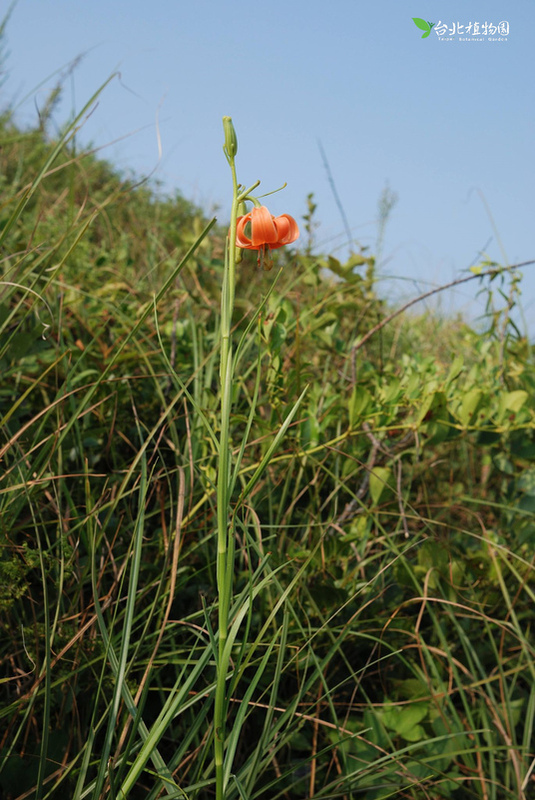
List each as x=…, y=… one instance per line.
x=225, y=532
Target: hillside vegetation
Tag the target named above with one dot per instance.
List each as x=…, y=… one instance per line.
x=385, y=556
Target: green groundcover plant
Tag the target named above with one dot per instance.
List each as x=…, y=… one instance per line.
x=262, y=536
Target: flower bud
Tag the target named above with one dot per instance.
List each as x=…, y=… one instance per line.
x=231, y=140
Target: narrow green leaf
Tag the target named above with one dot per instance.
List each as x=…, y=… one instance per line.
x=265, y=461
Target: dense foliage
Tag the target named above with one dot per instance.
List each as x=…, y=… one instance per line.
x=388, y=652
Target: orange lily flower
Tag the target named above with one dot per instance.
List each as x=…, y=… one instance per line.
x=265, y=231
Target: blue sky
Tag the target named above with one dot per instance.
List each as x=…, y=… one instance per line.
x=448, y=125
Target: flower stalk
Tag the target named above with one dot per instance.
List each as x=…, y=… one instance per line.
x=225, y=533
x=225, y=522
x=269, y=232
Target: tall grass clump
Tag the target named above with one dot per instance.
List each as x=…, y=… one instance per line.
x=249, y=548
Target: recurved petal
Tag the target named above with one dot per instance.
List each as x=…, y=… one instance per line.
x=287, y=230
x=242, y=240
x=263, y=230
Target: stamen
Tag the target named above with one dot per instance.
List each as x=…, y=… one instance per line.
x=264, y=258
